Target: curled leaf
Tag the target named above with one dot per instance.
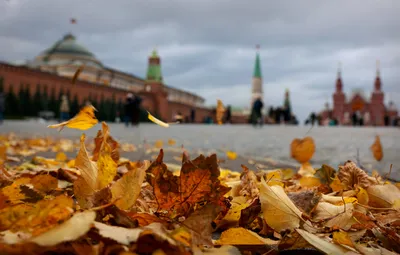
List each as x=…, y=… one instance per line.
x=302, y=150
x=351, y=175
x=383, y=195
x=70, y=230
x=376, y=149
x=157, y=121
x=85, y=119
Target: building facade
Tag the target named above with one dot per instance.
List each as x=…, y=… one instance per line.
x=357, y=108
x=54, y=68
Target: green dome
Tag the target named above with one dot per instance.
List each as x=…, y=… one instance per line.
x=68, y=45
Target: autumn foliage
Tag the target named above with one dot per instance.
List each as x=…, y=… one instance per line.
x=100, y=203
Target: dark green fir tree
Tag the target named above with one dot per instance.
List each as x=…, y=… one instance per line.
x=53, y=101
x=37, y=105
x=12, y=104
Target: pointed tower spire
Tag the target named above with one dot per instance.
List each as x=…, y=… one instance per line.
x=257, y=91
x=378, y=84
x=339, y=85
x=257, y=65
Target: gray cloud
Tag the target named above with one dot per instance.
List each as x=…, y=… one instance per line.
x=207, y=46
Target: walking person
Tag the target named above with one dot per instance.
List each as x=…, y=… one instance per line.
x=128, y=107
x=137, y=100
x=2, y=106
x=257, y=112
x=228, y=116
x=64, y=108
x=193, y=115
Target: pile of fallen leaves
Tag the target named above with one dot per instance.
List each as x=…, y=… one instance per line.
x=99, y=203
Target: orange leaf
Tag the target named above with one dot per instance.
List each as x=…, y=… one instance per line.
x=302, y=150
x=44, y=183
x=309, y=181
x=144, y=219
x=376, y=149
x=104, y=135
x=85, y=119
x=342, y=238
x=198, y=184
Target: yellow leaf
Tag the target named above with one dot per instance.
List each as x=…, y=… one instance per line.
x=278, y=210
x=302, y=150
x=107, y=168
x=233, y=215
x=343, y=238
x=335, y=215
x=183, y=236
x=362, y=196
x=231, y=155
x=396, y=204
x=171, y=142
x=336, y=185
x=309, y=181
x=128, y=187
x=157, y=121
x=159, y=144
x=61, y=156
x=71, y=163
x=306, y=169
x=87, y=167
x=85, y=119
x=242, y=236
x=321, y=244
x=274, y=178
x=383, y=195
x=44, y=183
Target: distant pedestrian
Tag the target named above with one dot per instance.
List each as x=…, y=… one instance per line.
x=137, y=100
x=193, y=115
x=257, y=112
x=2, y=106
x=64, y=108
x=228, y=117
x=128, y=107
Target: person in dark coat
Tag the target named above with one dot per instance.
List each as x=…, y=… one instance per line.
x=137, y=100
x=257, y=114
x=129, y=108
x=193, y=116
x=228, y=117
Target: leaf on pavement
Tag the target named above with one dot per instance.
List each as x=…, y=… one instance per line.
x=248, y=184
x=70, y=230
x=44, y=183
x=127, y=189
x=343, y=238
x=197, y=184
x=302, y=150
x=279, y=211
x=85, y=119
x=376, y=149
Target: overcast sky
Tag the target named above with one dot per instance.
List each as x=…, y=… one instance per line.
x=208, y=46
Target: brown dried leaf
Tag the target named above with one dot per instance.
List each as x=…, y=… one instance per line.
x=350, y=176
x=383, y=196
x=376, y=149
x=249, y=183
x=104, y=136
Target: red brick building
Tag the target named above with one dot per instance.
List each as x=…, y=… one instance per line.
x=358, y=107
x=53, y=69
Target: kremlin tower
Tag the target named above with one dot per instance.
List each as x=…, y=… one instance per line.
x=257, y=90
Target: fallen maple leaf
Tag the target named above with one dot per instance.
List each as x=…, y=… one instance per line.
x=127, y=189
x=376, y=149
x=302, y=150
x=85, y=119
x=197, y=184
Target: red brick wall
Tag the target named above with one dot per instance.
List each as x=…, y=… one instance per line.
x=16, y=76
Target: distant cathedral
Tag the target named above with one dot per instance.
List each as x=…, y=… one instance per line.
x=358, y=109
